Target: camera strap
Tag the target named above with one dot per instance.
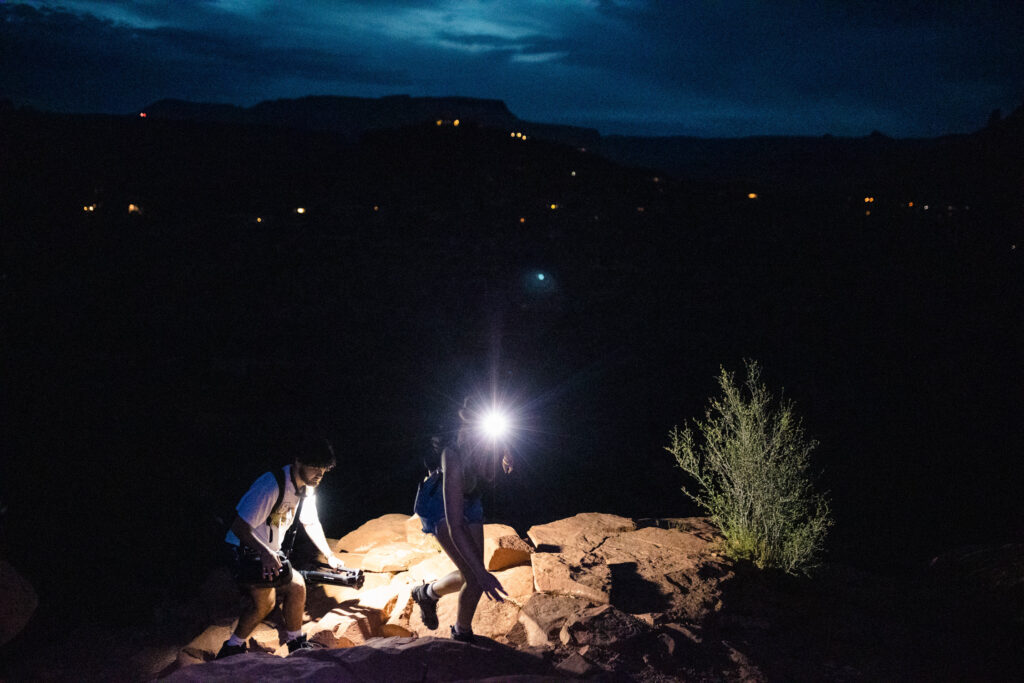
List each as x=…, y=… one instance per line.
x=289, y=536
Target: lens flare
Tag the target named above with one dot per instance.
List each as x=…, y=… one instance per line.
x=495, y=424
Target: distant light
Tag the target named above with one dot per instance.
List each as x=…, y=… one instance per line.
x=439, y=122
x=301, y=209
x=134, y=208
x=89, y=208
x=554, y=206
x=752, y=195
x=540, y=276
x=640, y=209
x=376, y=208
x=142, y=114
x=868, y=212
x=910, y=204
x=925, y=207
x=512, y=135
x=455, y=123
x=573, y=174
x=522, y=219
x=656, y=179
x=259, y=219
x=869, y=200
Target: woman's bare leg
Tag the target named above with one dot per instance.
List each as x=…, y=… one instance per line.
x=470, y=592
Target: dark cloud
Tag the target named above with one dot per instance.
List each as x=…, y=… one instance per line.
x=728, y=67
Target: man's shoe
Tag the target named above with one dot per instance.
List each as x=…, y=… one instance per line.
x=466, y=637
x=300, y=643
x=428, y=606
x=229, y=650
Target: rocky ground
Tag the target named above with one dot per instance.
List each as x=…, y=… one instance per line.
x=593, y=596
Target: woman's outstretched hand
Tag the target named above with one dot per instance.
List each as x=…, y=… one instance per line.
x=492, y=588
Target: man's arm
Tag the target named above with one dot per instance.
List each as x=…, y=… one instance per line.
x=316, y=534
x=271, y=562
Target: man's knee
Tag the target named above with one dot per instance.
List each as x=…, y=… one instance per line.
x=263, y=601
x=296, y=590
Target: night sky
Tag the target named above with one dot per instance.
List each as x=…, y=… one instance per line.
x=720, y=68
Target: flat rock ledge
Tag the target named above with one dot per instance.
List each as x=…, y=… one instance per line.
x=588, y=594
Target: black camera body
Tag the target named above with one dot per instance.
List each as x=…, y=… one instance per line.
x=248, y=571
x=336, y=577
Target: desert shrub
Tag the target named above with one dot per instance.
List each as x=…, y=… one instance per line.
x=750, y=467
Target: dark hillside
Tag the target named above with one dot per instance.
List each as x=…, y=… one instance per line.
x=157, y=357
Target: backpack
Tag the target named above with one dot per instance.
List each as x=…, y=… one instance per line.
x=228, y=518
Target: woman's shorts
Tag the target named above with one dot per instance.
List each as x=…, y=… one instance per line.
x=472, y=512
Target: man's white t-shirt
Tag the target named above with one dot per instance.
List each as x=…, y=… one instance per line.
x=258, y=501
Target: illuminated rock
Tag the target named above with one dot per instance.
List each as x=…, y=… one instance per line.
x=504, y=548
x=394, y=557
x=585, y=531
x=586, y=578
x=380, y=531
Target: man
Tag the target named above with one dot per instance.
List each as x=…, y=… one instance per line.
x=255, y=544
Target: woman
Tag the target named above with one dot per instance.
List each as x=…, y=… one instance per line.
x=449, y=507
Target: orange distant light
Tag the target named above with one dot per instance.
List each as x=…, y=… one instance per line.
x=522, y=219
x=455, y=122
x=752, y=195
x=142, y=114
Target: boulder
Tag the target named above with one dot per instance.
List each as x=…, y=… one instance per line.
x=414, y=535
x=398, y=619
x=345, y=627
x=380, y=659
x=543, y=616
x=18, y=602
x=504, y=548
x=394, y=557
x=381, y=531
x=205, y=646
x=517, y=582
x=585, y=531
x=603, y=627
x=431, y=568
x=556, y=574
x=652, y=572
x=323, y=598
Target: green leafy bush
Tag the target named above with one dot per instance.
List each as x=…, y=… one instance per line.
x=750, y=462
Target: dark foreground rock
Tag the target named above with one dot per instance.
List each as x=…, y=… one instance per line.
x=593, y=596
x=384, y=659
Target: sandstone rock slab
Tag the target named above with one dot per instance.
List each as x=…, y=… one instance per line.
x=555, y=574
x=380, y=531
x=585, y=531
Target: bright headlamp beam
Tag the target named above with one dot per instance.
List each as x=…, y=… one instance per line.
x=495, y=424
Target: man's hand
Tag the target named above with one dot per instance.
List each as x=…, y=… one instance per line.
x=271, y=564
x=334, y=563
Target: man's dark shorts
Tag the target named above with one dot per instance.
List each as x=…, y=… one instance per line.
x=247, y=568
